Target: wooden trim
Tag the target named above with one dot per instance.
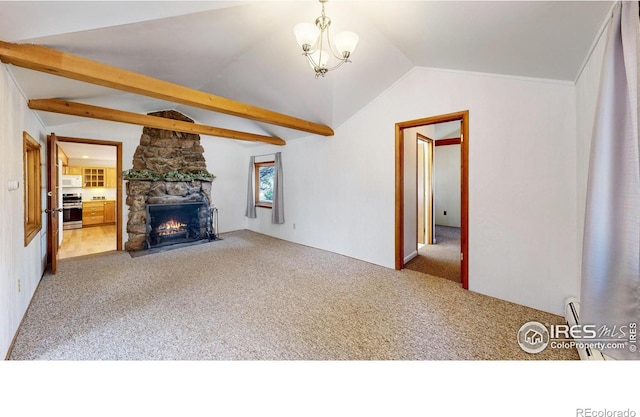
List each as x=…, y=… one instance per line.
x=463, y=117
x=51, y=61
x=399, y=232
x=103, y=113
x=118, y=146
x=32, y=184
x=464, y=201
x=119, y=209
x=445, y=142
x=256, y=183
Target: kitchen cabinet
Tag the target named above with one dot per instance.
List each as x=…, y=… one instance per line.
x=109, y=211
x=98, y=212
x=94, y=177
x=71, y=170
x=92, y=213
x=112, y=178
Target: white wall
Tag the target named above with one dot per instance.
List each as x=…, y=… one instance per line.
x=339, y=191
x=336, y=192
x=586, y=98
x=447, y=186
x=17, y=263
x=227, y=160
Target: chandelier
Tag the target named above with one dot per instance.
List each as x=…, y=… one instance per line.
x=317, y=46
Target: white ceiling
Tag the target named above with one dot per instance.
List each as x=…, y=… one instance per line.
x=246, y=50
x=90, y=152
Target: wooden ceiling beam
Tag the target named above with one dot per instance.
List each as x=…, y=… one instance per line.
x=103, y=113
x=40, y=58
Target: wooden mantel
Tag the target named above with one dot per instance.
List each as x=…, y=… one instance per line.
x=52, y=61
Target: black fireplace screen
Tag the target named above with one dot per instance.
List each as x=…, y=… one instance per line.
x=168, y=224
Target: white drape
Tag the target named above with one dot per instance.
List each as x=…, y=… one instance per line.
x=251, y=196
x=610, y=293
x=277, y=209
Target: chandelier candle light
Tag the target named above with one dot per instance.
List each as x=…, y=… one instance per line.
x=316, y=44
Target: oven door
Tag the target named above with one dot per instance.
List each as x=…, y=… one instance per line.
x=72, y=214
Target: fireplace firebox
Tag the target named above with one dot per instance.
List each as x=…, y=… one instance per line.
x=169, y=224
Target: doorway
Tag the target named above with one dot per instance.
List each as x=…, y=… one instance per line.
x=89, y=173
x=406, y=187
x=437, y=239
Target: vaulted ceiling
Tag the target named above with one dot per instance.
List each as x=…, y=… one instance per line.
x=246, y=51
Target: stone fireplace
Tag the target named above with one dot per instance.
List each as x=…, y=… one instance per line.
x=168, y=224
x=168, y=189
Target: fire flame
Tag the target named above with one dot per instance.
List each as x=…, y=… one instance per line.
x=170, y=227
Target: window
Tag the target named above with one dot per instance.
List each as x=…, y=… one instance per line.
x=32, y=192
x=264, y=183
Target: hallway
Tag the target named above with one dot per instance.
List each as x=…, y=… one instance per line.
x=443, y=258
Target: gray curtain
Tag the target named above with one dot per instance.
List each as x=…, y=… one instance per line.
x=610, y=291
x=251, y=196
x=277, y=212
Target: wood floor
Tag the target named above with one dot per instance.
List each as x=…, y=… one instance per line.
x=88, y=240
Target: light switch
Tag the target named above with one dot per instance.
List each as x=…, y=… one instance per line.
x=13, y=185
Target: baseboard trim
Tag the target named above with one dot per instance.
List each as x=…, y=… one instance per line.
x=410, y=256
x=15, y=336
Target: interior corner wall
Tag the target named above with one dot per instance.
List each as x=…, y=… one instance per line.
x=21, y=268
x=587, y=88
x=340, y=191
x=226, y=160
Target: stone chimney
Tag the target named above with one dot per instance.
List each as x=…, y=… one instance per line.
x=164, y=165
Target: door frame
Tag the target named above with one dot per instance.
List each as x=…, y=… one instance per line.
x=463, y=117
x=118, y=146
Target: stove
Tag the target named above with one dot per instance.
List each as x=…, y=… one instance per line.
x=72, y=211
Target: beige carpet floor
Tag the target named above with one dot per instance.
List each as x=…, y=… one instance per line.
x=441, y=259
x=253, y=297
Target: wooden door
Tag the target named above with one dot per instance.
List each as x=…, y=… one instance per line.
x=426, y=220
x=430, y=219
x=53, y=209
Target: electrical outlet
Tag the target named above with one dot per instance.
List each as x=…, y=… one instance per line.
x=294, y=226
